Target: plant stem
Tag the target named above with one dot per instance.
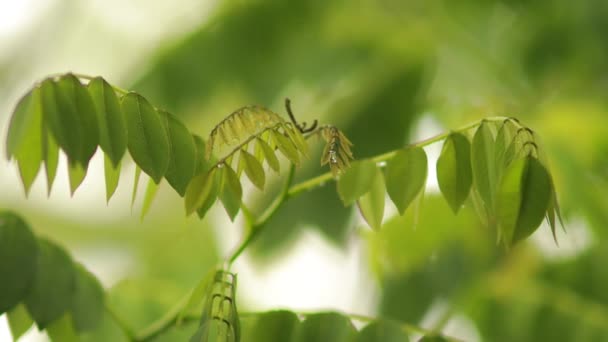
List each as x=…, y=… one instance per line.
x=258, y=225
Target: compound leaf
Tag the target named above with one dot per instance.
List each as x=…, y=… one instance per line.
x=356, y=181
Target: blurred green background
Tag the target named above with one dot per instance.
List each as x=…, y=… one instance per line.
x=387, y=72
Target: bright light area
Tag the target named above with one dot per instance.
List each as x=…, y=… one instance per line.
x=313, y=276
x=572, y=243
x=425, y=128
x=15, y=15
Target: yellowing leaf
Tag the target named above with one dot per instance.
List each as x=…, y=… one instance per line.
x=286, y=147
x=76, y=174
x=253, y=169
x=231, y=191
x=19, y=321
x=199, y=190
x=406, y=176
x=271, y=158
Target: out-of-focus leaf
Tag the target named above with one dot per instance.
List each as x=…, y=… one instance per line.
x=482, y=165
x=54, y=283
x=271, y=158
x=371, y=204
x=272, y=326
x=76, y=174
x=151, y=191
x=202, y=164
x=356, y=181
x=135, y=185
x=62, y=330
x=326, y=326
x=253, y=169
x=147, y=138
x=406, y=176
x=382, y=331
x=182, y=160
x=454, y=170
x=231, y=192
x=50, y=156
x=24, y=134
x=287, y=148
x=87, y=301
x=199, y=190
x=432, y=338
x=523, y=199
x=111, y=174
x=504, y=148
x=112, y=124
x=79, y=102
x=18, y=255
x=19, y=321
x=214, y=330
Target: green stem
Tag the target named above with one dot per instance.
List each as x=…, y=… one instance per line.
x=258, y=225
x=322, y=179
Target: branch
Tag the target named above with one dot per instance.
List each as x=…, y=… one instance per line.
x=259, y=224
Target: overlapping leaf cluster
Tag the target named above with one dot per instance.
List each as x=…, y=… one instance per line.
x=254, y=134
x=41, y=283
x=63, y=114
x=503, y=172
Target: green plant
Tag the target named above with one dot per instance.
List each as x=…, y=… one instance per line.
x=497, y=164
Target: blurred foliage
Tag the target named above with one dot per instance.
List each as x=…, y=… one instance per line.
x=378, y=69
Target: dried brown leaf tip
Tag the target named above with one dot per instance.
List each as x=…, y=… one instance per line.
x=337, y=152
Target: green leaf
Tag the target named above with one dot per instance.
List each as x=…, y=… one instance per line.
x=454, y=170
x=231, y=191
x=280, y=325
x=406, y=176
x=50, y=156
x=287, y=148
x=329, y=326
x=76, y=174
x=253, y=169
x=151, y=191
x=196, y=296
x=62, y=330
x=78, y=99
x=199, y=190
x=112, y=175
x=54, y=283
x=212, y=198
x=382, y=331
x=271, y=158
x=112, y=124
x=135, y=185
x=87, y=305
x=148, y=142
x=182, y=160
x=356, y=181
x=24, y=137
x=371, y=204
x=18, y=253
x=60, y=117
x=202, y=164
x=297, y=139
x=523, y=199
x=504, y=149
x=482, y=165
x=19, y=321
